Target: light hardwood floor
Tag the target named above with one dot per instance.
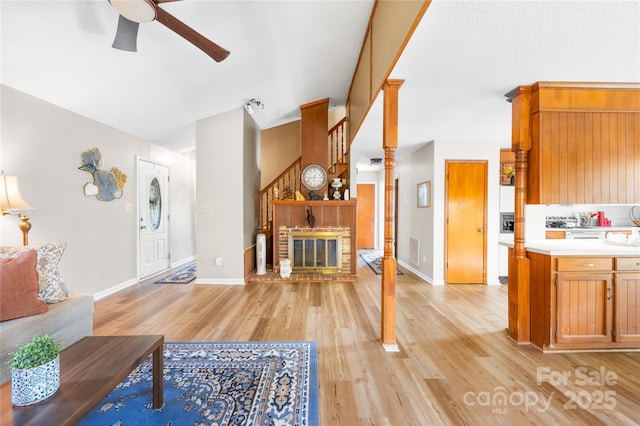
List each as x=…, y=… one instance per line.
x=455, y=366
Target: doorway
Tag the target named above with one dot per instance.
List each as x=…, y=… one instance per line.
x=465, y=214
x=366, y=214
x=153, y=217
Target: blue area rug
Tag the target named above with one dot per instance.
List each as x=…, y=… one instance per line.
x=221, y=383
x=375, y=263
x=182, y=276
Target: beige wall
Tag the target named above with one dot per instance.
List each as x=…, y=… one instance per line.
x=281, y=146
x=41, y=144
x=226, y=210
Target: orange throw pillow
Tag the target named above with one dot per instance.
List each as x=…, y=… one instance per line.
x=19, y=287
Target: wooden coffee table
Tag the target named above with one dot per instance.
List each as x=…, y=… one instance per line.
x=89, y=370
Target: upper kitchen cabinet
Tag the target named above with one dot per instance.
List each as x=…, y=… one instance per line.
x=583, y=141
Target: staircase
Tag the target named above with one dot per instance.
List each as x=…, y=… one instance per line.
x=288, y=182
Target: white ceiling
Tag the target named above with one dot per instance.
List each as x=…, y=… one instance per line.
x=286, y=53
x=464, y=56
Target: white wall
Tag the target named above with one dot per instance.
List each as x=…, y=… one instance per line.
x=251, y=179
x=414, y=221
x=41, y=144
x=228, y=179
x=428, y=224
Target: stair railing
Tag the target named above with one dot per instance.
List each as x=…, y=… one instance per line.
x=287, y=181
x=337, y=144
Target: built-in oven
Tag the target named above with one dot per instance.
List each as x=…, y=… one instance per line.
x=507, y=221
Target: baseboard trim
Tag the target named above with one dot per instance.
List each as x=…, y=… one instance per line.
x=222, y=281
x=183, y=262
x=419, y=274
x=116, y=288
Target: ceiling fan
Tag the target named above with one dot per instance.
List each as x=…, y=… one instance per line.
x=135, y=12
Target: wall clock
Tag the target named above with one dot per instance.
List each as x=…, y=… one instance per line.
x=314, y=177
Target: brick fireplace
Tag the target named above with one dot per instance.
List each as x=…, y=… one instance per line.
x=328, y=247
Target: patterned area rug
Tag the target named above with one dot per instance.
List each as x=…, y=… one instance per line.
x=183, y=276
x=221, y=383
x=375, y=263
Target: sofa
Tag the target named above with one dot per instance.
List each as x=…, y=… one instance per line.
x=66, y=322
x=34, y=301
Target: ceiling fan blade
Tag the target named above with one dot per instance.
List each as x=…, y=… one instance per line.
x=126, y=35
x=207, y=46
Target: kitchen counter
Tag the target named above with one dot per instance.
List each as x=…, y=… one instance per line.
x=594, y=228
x=577, y=248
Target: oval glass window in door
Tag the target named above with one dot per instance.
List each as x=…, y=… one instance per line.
x=155, y=204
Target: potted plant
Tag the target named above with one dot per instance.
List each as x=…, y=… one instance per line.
x=509, y=171
x=35, y=371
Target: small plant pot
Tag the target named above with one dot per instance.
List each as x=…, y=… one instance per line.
x=32, y=385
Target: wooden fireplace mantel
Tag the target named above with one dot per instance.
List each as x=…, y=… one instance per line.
x=327, y=214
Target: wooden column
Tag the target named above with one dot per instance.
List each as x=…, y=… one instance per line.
x=389, y=263
x=519, y=268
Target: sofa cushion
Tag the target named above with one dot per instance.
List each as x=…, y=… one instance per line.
x=49, y=254
x=19, y=287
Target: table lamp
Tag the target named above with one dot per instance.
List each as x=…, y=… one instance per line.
x=12, y=203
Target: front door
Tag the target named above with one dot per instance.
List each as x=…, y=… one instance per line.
x=466, y=203
x=366, y=213
x=153, y=210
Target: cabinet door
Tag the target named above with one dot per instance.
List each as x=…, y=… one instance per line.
x=627, y=307
x=584, y=308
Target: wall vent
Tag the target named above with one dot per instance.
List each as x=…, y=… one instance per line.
x=414, y=251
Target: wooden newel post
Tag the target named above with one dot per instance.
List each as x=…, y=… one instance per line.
x=389, y=263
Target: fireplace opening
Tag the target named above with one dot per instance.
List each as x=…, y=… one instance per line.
x=315, y=251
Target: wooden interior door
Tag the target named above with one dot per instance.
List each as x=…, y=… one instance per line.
x=466, y=204
x=366, y=212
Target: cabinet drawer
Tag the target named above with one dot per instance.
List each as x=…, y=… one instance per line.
x=583, y=264
x=628, y=264
x=554, y=235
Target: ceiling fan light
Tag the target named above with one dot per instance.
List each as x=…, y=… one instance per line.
x=139, y=11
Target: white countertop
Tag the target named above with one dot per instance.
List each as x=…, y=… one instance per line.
x=594, y=228
x=577, y=248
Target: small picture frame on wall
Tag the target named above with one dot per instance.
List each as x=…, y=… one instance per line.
x=424, y=194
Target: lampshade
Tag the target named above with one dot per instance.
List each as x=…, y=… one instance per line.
x=10, y=198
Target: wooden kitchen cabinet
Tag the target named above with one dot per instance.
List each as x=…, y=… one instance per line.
x=584, y=303
x=584, y=308
x=627, y=291
x=583, y=141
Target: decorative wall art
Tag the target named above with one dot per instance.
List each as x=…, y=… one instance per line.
x=424, y=194
x=106, y=185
